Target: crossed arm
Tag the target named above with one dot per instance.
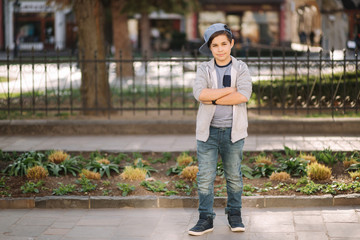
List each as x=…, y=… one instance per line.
x=223, y=96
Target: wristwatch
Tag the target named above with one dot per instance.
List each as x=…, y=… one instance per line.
x=214, y=102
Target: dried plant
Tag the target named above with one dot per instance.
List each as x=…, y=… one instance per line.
x=308, y=157
x=184, y=160
x=90, y=175
x=131, y=173
x=355, y=175
x=104, y=161
x=263, y=160
x=317, y=171
x=37, y=173
x=348, y=162
x=190, y=173
x=280, y=176
x=58, y=156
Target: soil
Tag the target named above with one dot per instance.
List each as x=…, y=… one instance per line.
x=13, y=184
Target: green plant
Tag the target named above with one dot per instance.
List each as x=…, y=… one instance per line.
x=125, y=188
x=317, y=171
x=86, y=184
x=64, y=189
x=166, y=156
x=120, y=157
x=289, y=152
x=70, y=165
x=310, y=188
x=294, y=166
x=23, y=162
x=102, y=167
x=37, y=173
x=156, y=186
x=31, y=187
x=2, y=182
x=170, y=193
x=181, y=185
x=263, y=170
x=137, y=155
x=106, y=183
x=326, y=156
x=246, y=171
x=7, y=157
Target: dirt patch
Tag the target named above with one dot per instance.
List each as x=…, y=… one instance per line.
x=107, y=186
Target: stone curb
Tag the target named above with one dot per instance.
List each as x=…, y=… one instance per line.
x=92, y=202
x=322, y=126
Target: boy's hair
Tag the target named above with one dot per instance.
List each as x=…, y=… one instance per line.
x=218, y=33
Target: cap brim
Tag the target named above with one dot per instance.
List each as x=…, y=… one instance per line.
x=204, y=49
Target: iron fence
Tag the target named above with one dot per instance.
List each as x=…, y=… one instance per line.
x=310, y=82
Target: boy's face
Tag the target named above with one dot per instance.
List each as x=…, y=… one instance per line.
x=221, y=49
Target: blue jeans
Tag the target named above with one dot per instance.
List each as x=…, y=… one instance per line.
x=219, y=142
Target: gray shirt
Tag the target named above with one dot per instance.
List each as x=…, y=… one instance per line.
x=223, y=114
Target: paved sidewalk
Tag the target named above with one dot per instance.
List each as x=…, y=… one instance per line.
x=276, y=223
x=172, y=143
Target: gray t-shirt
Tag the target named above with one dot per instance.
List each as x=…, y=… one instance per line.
x=223, y=114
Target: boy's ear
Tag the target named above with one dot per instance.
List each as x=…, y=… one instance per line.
x=232, y=42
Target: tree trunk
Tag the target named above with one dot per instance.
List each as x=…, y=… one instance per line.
x=121, y=39
x=95, y=91
x=145, y=35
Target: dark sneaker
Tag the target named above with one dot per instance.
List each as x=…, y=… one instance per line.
x=204, y=225
x=235, y=221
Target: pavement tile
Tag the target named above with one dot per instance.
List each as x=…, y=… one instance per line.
x=36, y=221
x=341, y=218
x=350, y=230
x=311, y=235
x=308, y=219
x=24, y=231
x=272, y=236
x=91, y=232
x=310, y=228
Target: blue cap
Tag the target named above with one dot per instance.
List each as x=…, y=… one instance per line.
x=204, y=49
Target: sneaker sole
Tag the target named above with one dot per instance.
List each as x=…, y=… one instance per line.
x=237, y=229
x=200, y=233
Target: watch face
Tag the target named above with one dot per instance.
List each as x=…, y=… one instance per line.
x=226, y=80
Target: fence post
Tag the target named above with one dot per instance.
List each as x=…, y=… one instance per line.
x=183, y=78
x=283, y=95
x=333, y=97
x=307, y=81
x=33, y=79
x=171, y=84
x=320, y=81
x=20, y=73
x=71, y=86
x=259, y=82
x=45, y=79
x=158, y=82
x=58, y=81
x=8, y=80
x=146, y=84
x=296, y=73
x=357, y=98
x=344, y=104
x=96, y=83
x=121, y=84
x=271, y=80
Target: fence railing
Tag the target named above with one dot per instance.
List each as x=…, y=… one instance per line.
x=293, y=83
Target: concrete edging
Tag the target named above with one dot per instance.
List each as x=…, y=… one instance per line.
x=92, y=202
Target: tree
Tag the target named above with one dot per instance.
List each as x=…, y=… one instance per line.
x=95, y=90
x=121, y=39
x=145, y=7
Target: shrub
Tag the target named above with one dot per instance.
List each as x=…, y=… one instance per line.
x=86, y=184
x=317, y=171
x=132, y=173
x=143, y=164
x=90, y=175
x=263, y=160
x=308, y=157
x=280, y=176
x=184, y=160
x=326, y=156
x=355, y=175
x=156, y=186
x=58, y=156
x=348, y=162
x=263, y=170
x=190, y=173
x=37, y=173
